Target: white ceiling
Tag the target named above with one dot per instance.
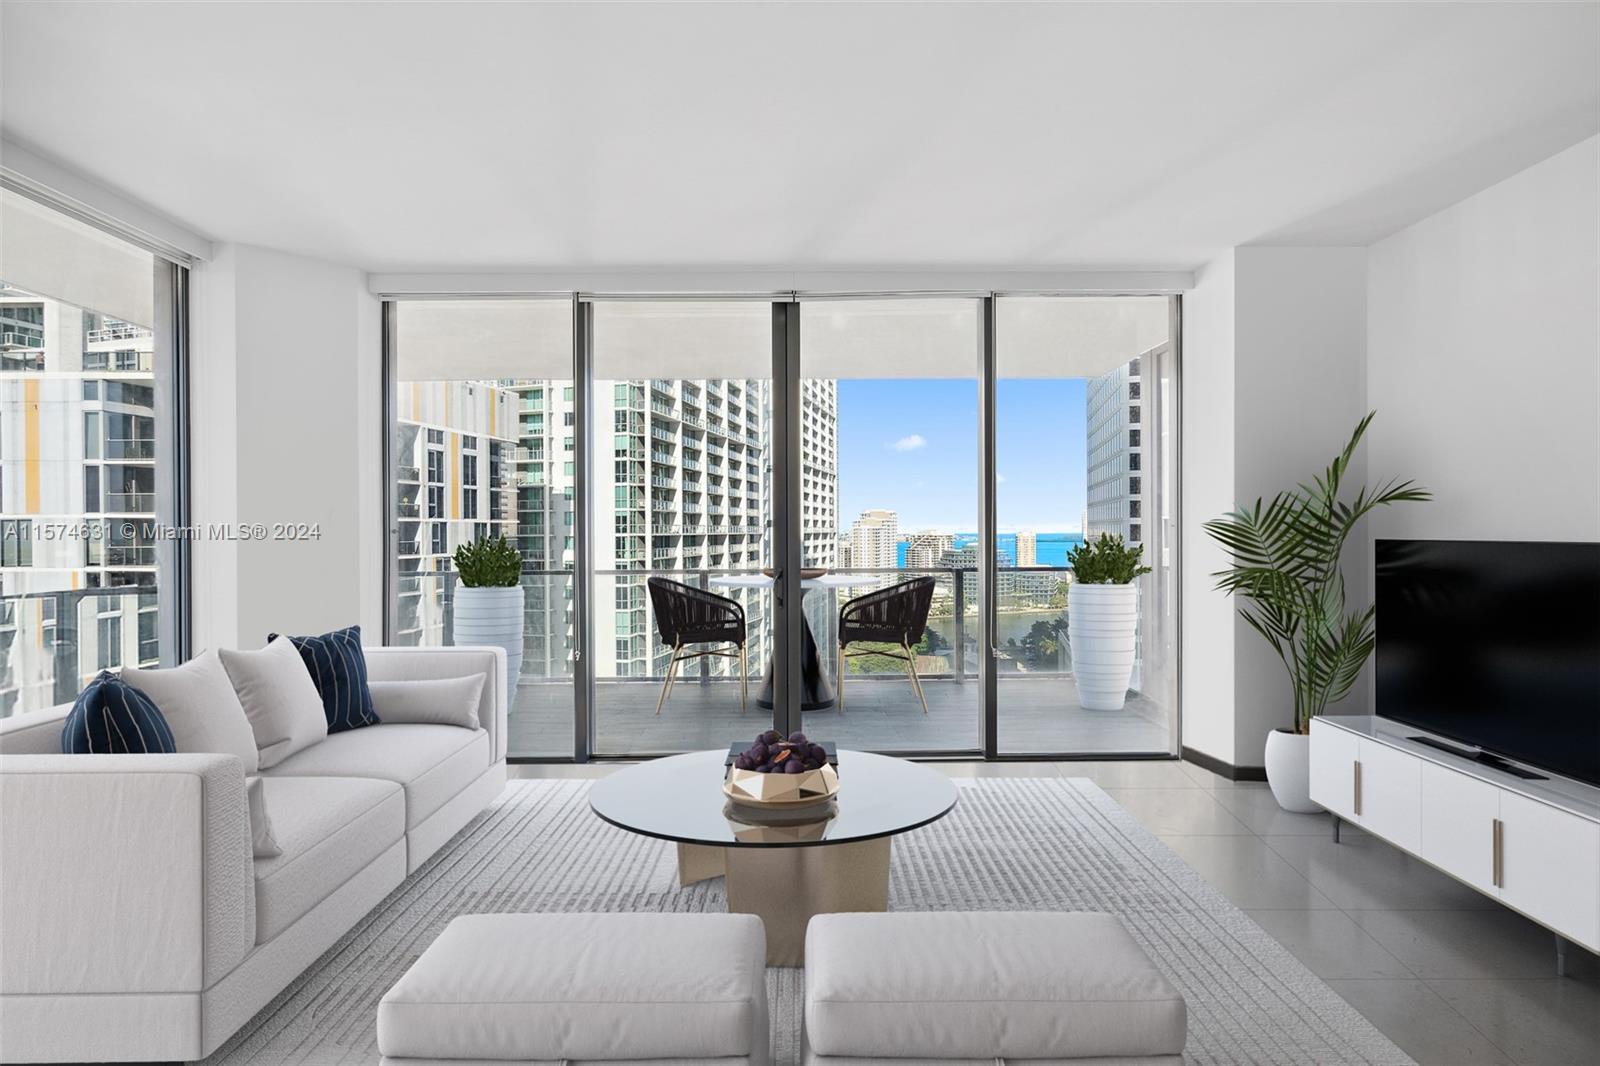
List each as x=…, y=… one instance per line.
x=423, y=136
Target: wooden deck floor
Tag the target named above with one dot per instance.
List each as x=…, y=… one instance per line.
x=1037, y=714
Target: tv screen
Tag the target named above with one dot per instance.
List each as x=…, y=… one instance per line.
x=1494, y=644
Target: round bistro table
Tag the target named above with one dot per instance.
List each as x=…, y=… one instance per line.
x=817, y=691
x=781, y=870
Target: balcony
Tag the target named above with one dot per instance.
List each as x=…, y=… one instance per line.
x=130, y=448
x=130, y=503
x=1037, y=695
x=120, y=332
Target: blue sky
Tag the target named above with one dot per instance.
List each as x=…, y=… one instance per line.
x=911, y=446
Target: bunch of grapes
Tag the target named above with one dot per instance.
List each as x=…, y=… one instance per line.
x=771, y=754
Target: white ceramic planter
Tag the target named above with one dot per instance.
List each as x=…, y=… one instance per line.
x=1102, y=629
x=1289, y=770
x=493, y=617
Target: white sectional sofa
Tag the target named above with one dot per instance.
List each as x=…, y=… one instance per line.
x=135, y=923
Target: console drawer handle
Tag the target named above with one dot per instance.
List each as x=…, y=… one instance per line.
x=1355, y=788
x=1497, y=859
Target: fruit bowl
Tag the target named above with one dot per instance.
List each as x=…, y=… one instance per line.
x=776, y=773
x=807, y=573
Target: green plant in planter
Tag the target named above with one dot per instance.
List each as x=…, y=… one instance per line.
x=490, y=562
x=1106, y=560
x=1286, y=563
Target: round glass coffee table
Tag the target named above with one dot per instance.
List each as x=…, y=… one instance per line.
x=781, y=868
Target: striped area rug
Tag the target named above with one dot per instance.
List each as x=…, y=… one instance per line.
x=1010, y=844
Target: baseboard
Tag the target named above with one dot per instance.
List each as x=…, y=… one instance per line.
x=1223, y=769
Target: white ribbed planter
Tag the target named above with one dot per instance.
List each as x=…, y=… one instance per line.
x=493, y=617
x=1289, y=770
x=1102, y=628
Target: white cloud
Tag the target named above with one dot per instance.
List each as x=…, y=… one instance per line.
x=910, y=444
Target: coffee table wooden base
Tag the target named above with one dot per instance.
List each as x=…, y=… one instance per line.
x=784, y=887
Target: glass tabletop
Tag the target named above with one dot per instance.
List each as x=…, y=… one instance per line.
x=680, y=798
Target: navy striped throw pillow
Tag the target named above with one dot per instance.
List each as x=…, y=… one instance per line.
x=110, y=717
x=338, y=668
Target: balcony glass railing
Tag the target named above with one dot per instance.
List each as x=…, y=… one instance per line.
x=1030, y=630
x=56, y=645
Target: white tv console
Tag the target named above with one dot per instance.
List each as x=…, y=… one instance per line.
x=1532, y=845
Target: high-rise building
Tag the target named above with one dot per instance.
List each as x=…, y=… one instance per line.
x=77, y=447
x=925, y=549
x=875, y=540
x=682, y=486
x=819, y=471
x=1027, y=549
x=454, y=442
x=1116, y=497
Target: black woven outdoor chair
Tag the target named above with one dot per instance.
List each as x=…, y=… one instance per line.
x=686, y=615
x=895, y=615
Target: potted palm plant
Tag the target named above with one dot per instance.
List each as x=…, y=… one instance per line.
x=1103, y=619
x=488, y=600
x=1285, y=563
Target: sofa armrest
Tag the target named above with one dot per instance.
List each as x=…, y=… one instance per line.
x=123, y=873
x=431, y=664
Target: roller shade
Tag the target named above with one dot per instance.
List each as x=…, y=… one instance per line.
x=1037, y=337
x=483, y=340
x=1075, y=336
x=44, y=252
x=635, y=339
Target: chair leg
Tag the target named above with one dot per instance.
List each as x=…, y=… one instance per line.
x=839, y=684
x=744, y=677
x=916, y=682
x=666, y=686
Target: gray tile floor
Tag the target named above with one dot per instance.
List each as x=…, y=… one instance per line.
x=1036, y=714
x=1447, y=974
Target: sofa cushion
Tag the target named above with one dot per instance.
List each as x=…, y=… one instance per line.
x=985, y=986
x=338, y=668
x=111, y=718
x=328, y=829
x=583, y=987
x=439, y=701
x=198, y=702
x=432, y=762
x=278, y=697
x=263, y=841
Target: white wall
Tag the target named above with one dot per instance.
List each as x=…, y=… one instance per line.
x=1274, y=377
x=1474, y=334
x=285, y=425
x=1299, y=384
x=1483, y=359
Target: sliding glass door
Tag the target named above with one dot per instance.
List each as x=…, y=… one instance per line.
x=890, y=509
x=681, y=523
x=1085, y=448
x=482, y=446
x=925, y=464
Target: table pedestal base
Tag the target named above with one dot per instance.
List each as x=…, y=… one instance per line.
x=784, y=887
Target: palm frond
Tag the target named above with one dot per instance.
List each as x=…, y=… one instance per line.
x=1284, y=560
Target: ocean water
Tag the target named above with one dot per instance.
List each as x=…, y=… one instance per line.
x=1051, y=548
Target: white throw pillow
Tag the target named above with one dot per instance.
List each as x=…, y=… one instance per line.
x=279, y=698
x=198, y=702
x=263, y=844
x=441, y=701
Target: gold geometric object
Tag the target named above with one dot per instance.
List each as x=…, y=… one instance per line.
x=779, y=790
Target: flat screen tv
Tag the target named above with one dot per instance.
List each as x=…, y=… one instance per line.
x=1494, y=644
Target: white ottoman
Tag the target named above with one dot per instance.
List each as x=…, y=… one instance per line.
x=1032, y=988
x=574, y=989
